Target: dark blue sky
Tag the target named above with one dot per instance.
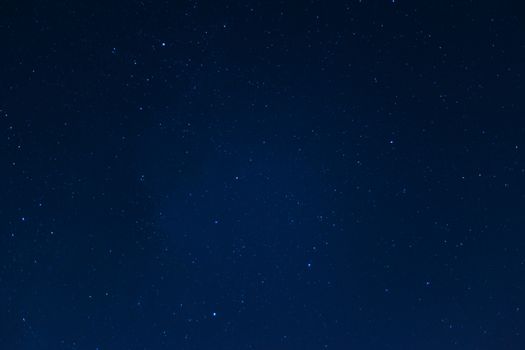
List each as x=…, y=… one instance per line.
x=262, y=175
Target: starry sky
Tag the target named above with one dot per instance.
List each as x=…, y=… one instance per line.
x=262, y=175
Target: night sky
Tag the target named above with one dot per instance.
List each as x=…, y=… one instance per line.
x=262, y=175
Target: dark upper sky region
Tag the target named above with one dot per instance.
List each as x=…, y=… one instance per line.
x=262, y=175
